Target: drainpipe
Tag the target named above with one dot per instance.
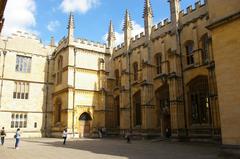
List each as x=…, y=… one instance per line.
x=3, y=66
x=74, y=76
x=46, y=103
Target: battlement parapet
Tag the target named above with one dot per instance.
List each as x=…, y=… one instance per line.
x=161, y=28
x=138, y=40
x=137, y=37
x=26, y=35
x=89, y=43
x=120, y=46
x=165, y=24
x=193, y=12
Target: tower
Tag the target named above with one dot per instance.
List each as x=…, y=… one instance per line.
x=148, y=19
x=70, y=28
x=111, y=35
x=127, y=28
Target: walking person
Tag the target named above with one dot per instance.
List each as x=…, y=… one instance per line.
x=168, y=133
x=17, y=137
x=64, y=135
x=100, y=132
x=3, y=134
x=128, y=137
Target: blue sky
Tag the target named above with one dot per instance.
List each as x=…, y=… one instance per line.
x=48, y=18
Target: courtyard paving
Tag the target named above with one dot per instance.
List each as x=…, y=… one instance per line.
x=50, y=148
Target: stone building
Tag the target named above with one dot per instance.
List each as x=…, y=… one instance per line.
x=79, y=94
x=167, y=79
x=224, y=25
x=172, y=77
x=26, y=84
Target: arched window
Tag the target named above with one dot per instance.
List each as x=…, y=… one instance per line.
x=117, y=78
x=137, y=109
x=101, y=64
x=135, y=71
x=198, y=100
x=59, y=70
x=85, y=117
x=158, y=59
x=117, y=111
x=189, y=52
x=205, y=48
x=58, y=110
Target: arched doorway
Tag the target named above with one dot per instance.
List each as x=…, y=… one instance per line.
x=163, y=109
x=84, y=127
x=137, y=114
x=198, y=100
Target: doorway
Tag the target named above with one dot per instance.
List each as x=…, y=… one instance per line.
x=163, y=109
x=85, y=123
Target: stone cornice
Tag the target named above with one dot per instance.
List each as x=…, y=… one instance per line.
x=223, y=21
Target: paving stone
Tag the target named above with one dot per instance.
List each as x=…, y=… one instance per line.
x=51, y=148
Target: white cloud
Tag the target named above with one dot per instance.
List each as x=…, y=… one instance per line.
x=19, y=15
x=137, y=29
x=52, y=25
x=81, y=6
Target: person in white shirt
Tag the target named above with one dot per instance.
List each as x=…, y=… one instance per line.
x=64, y=135
x=17, y=137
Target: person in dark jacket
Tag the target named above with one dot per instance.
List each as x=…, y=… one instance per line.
x=3, y=134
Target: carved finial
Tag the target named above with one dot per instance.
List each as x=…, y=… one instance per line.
x=111, y=35
x=127, y=21
x=71, y=27
x=52, y=42
x=147, y=9
x=71, y=21
x=127, y=28
x=148, y=19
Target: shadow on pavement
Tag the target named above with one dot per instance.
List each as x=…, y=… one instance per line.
x=138, y=149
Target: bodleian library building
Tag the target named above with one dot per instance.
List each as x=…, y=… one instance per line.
x=179, y=76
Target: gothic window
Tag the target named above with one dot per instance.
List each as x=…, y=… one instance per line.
x=198, y=100
x=135, y=71
x=19, y=120
x=137, y=109
x=85, y=117
x=25, y=121
x=189, y=52
x=158, y=59
x=205, y=48
x=58, y=110
x=117, y=78
x=101, y=64
x=23, y=64
x=117, y=111
x=21, y=90
x=59, y=70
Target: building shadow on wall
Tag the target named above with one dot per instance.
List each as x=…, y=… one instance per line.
x=46, y=105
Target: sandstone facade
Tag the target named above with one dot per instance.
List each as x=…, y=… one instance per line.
x=169, y=79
